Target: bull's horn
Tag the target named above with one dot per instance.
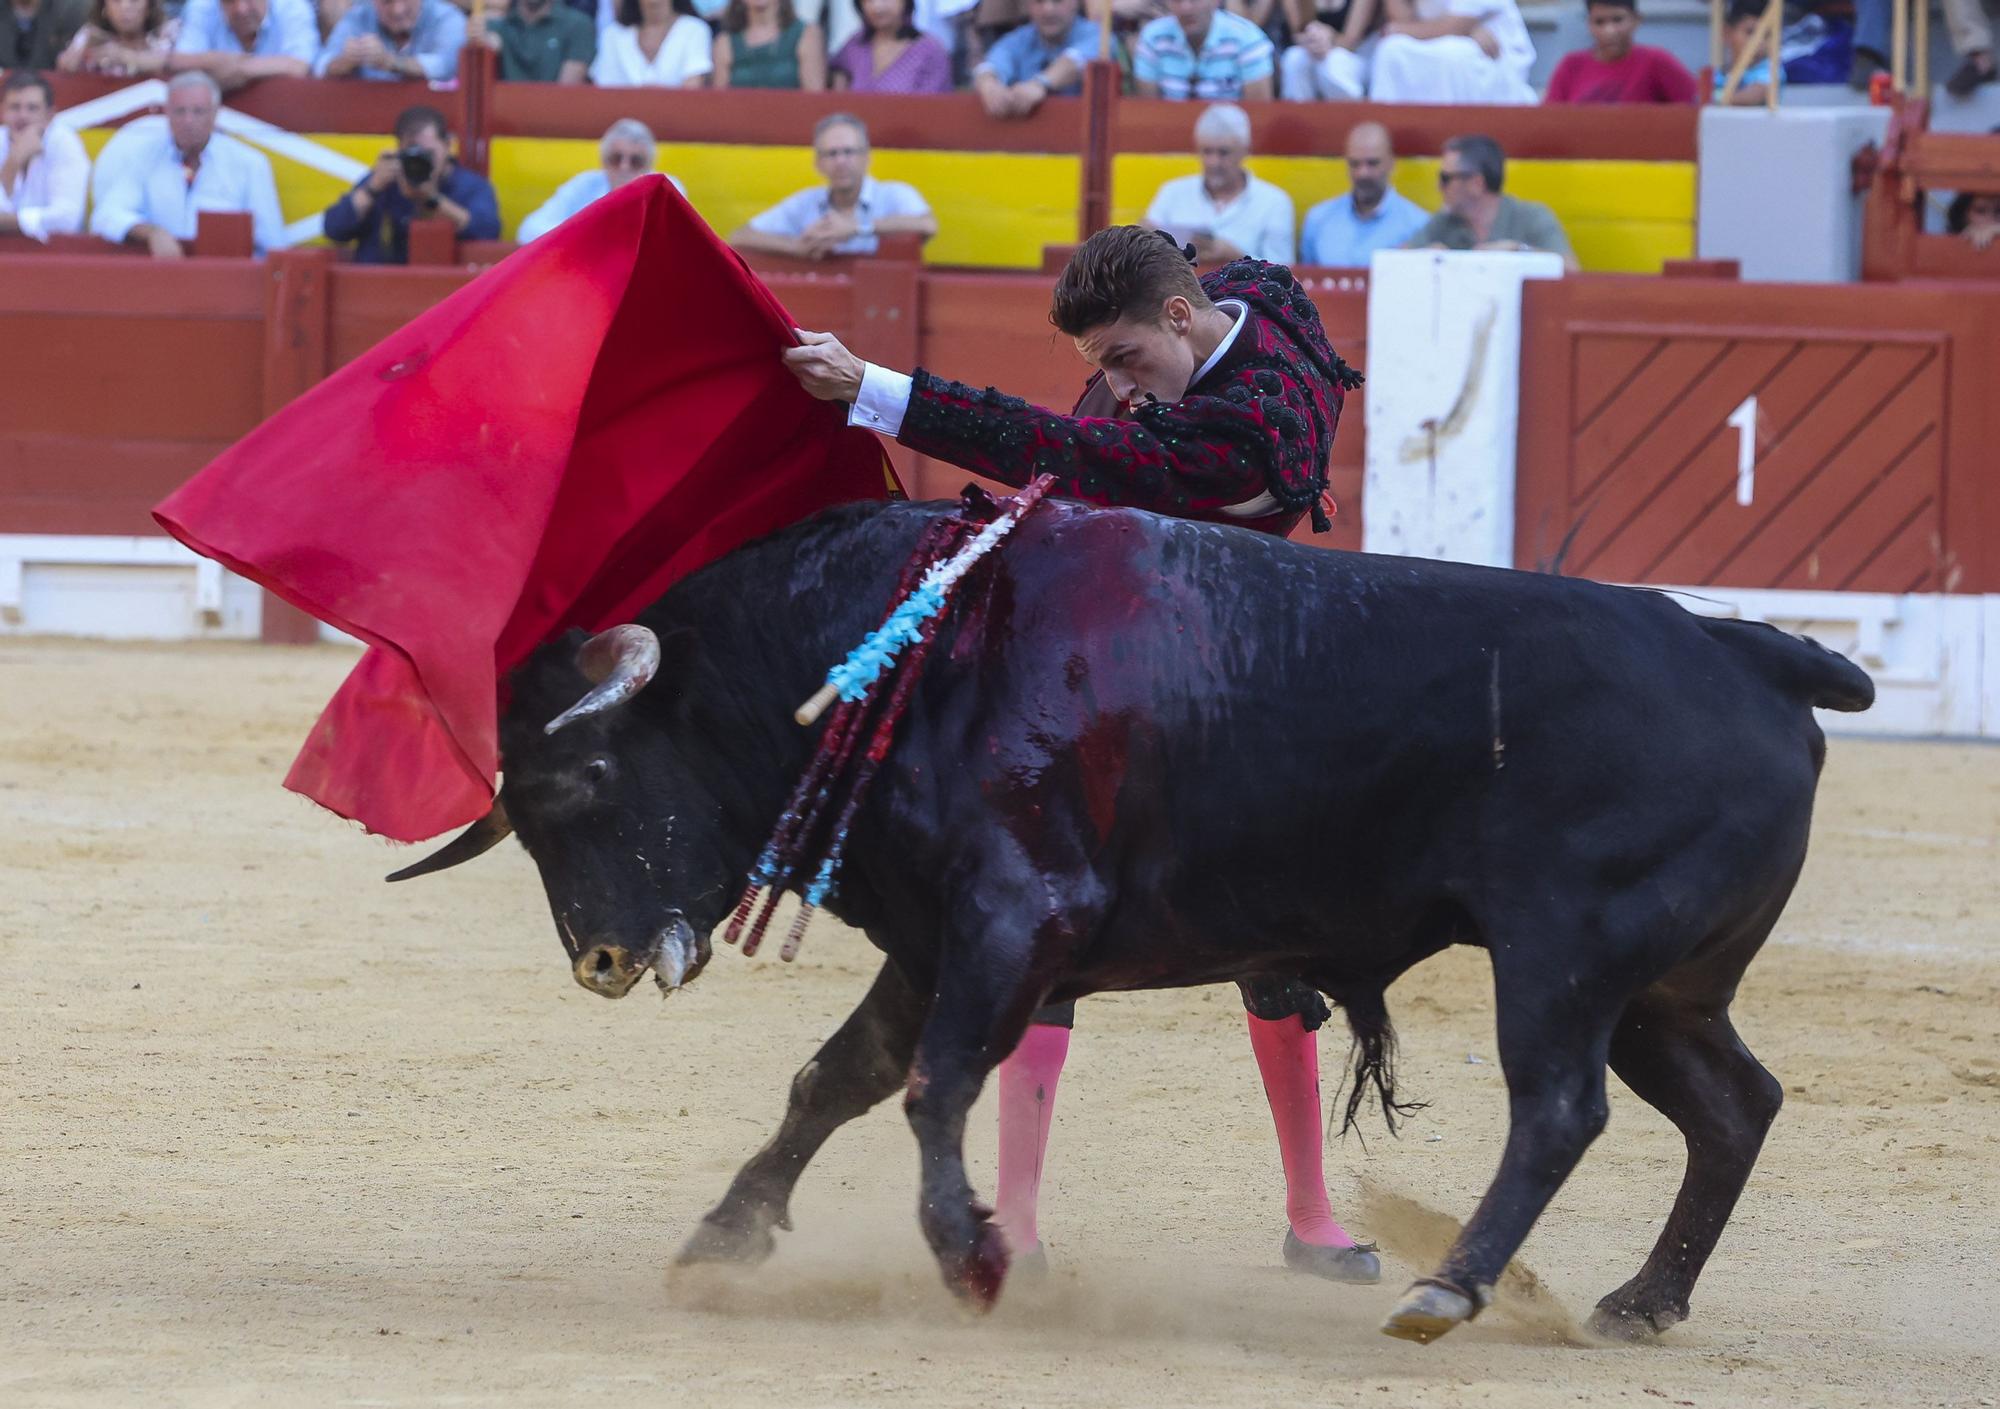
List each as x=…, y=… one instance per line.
x=619, y=663
x=478, y=839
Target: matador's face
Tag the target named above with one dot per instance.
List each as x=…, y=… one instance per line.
x=1144, y=360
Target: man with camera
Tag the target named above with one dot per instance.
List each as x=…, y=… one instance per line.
x=417, y=181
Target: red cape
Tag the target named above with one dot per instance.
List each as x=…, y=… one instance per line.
x=552, y=446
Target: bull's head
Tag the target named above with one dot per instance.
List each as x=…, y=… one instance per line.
x=601, y=796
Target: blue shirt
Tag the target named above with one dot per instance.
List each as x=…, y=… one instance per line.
x=570, y=197
x=153, y=187
x=1021, y=53
x=1337, y=238
x=1233, y=52
x=382, y=236
x=796, y=213
x=289, y=31
x=435, y=41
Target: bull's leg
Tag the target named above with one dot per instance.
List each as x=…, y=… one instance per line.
x=1685, y=1059
x=857, y=1068
x=1553, y=1038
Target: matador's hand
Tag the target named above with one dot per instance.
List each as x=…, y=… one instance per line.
x=825, y=368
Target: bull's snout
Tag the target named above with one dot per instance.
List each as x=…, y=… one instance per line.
x=608, y=970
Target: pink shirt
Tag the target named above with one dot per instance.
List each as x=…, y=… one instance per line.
x=1645, y=75
x=924, y=67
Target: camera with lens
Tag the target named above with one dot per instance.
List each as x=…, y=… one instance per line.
x=418, y=165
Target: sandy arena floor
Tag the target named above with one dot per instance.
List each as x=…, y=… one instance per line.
x=274, y=1133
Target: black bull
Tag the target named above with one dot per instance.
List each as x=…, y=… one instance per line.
x=1149, y=753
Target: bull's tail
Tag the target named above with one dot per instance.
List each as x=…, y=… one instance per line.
x=1798, y=664
x=1371, y=1060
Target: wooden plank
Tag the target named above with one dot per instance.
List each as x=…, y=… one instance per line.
x=1857, y=533
x=1908, y=561
x=110, y=377
x=87, y=484
x=1646, y=404
x=81, y=286
x=1603, y=369
x=299, y=104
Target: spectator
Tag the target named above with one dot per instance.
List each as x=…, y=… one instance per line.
x=44, y=170
x=394, y=39
x=626, y=152
x=1614, y=69
x=1327, y=63
x=1028, y=64
x=183, y=171
x=120, y=36
x=838, y=20
x=764, y=44
x=889, y=55
x=655, y=44
x=416, y=180
x=1972, y=37
x=41, y=30
x=538, y=41
x=236, y=42
x=1973, y=214
x=1738, y=32
x=1198, y=51
x=1225, y=212
x=1872, y=41
x=1343, y=232
x=330, y=13
x=1476, y=216
x=1452, y=51
x=846, y=215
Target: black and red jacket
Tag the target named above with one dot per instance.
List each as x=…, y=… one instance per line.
x=1260, y=422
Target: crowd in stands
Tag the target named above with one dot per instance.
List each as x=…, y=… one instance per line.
x=157, y=174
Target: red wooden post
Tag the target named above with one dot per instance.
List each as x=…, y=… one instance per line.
x=295, y=339
x=887, y=320
x=223, y=234
x=478, y=72
x=1101, y=81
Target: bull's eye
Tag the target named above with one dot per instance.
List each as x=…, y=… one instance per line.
x=597, y=770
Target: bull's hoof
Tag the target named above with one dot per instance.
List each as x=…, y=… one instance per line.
x=740, y=1238
x=1426, y=1312
x=1356, y=1264
x=976, y=1277
x=1616, y=1319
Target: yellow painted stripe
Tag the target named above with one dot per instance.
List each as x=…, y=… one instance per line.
x=994, y=208
x=1622, y=216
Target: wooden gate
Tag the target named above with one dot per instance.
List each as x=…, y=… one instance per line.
x=1705, y=432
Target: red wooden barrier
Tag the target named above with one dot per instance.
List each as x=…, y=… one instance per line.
x=1874, y=417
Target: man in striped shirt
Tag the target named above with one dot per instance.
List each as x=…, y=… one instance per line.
x=1199, y=50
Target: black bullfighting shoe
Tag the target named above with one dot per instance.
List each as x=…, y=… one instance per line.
x=1357, y=1264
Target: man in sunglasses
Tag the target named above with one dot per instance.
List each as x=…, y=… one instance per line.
x=1477, y=215
x=626, y=152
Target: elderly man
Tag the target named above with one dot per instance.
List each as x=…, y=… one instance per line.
x=849, y=213
x=236, y=42
x=1452, y=51
x=1042, y=57
x=44, y=171
x=40, y=31
x=1199, y=50
x=1225, y=212
x=626, y=153
x=1343, y=232
x=416, y=180
x=393, y=39
x=174, y=175
x=538, y=41
x=1478, y=216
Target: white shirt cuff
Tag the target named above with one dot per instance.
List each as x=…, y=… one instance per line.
x=884, y=399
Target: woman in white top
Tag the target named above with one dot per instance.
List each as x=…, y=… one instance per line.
x=117, y=35
x=655, y=44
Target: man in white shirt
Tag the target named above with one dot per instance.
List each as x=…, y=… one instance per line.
x=846, y=215
x=185, y=170
x=44, y=170
x=626, y=153
x=239, y=41
x=1225, y=212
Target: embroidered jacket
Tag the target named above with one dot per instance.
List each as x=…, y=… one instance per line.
x=1260, y=422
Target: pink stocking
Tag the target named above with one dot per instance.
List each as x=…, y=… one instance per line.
x=1288, y=1056
x=1027, y=1100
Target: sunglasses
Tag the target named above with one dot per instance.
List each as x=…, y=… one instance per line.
x=626, y=161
